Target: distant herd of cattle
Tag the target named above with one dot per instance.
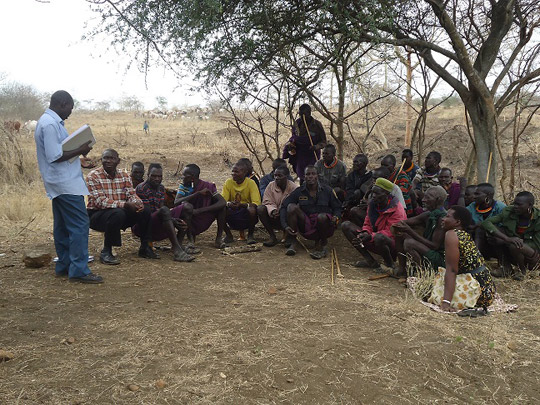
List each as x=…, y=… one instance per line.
x=14, y=127
x=201, y=113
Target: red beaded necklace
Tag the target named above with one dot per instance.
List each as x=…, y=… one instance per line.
x=333, y=164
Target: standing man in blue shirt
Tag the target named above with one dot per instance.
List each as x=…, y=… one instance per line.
x=66, y=188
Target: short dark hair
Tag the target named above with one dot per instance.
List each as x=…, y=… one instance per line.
x=407, y=152
x=194, y=169
x=310, y=167
x=383, y=171
x=446, y=169
x=463, y=215
x=470, y=186
x=331, y=147
x=110, y=150
x=362, y=156
x=139, y=164
x=278, y=162
x=247, y=164
x=60, y=97
x=305, y=107
x=436, y=155
x=528, y=196
x=284, y=169
x=154, y=166
x=391, y=157
x=487, y=187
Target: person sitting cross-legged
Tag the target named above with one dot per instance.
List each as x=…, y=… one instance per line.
x=313, y=210
x=427, y=176
x=113, y=205
x=401, y=179
x=165, y=222
x=516, y=230
x=356, y=182
x=455, y=190
x=332, y=171
x=208, y=204
x=274, y=194
x=242, y=197
x=384, y=210
x=137, y=173
x=409, y=167
x=468, y=197
x=266, y=179
x=483, y=207
x=430, y=245
x=357, y=214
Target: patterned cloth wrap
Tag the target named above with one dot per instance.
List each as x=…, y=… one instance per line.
x=466, y=294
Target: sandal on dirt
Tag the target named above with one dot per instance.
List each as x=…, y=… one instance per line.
x=183, y=257
x=270, y=243
x=290, y=251
x=192, y=249
x=364, y=264
x=318, y=254
x=472, y=312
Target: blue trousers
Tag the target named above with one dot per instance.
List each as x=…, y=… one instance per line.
x=71, y=226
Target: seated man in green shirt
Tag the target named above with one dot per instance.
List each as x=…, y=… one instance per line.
x=516, y=230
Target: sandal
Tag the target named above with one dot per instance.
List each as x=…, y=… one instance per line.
x=365, y=264
x=290, y=251
x=472, y=312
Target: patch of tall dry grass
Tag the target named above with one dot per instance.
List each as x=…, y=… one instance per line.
x=22, y=197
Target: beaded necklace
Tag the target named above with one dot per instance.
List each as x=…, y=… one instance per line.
x=332, y=165
x=523, y=225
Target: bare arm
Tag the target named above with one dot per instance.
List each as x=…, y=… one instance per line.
x=451, y=250
x=81, y=150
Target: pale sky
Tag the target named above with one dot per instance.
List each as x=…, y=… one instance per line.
x=41, y=45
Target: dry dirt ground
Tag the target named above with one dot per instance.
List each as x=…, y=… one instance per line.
x=255, y=328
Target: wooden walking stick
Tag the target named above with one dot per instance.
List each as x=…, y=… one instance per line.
x=489, y=166
x=332, y=269
x=400, y=169
x=309, y=135
x=338, y=267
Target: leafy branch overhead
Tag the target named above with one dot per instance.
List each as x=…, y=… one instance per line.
x=486, y=50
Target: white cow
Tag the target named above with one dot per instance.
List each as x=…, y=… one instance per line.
x=30, y=126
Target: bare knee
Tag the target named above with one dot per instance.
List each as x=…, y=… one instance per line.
x=379, y=239
x=291, y=208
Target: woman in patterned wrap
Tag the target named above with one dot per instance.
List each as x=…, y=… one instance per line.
x=462, y=256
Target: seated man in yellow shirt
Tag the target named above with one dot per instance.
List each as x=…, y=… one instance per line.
x=243, y=197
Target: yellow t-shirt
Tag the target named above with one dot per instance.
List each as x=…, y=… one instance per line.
x=244, y=193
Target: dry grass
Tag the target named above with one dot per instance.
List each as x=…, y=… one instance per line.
x=213, y=332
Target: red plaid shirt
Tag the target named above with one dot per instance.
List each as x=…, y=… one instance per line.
x=109, y=192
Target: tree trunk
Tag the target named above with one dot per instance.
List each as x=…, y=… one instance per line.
x=482, y=114
x=408, y=121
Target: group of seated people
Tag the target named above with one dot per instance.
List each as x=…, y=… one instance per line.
x=398, y=211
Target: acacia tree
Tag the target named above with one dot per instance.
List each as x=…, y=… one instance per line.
x=233, y=40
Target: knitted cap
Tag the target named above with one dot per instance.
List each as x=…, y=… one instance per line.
x=384, y=184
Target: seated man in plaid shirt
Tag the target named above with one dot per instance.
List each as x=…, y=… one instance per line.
x=113, y=205
x=164, y=221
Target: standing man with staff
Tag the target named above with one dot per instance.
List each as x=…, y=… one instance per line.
x=65, y=186
x=308, y=138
